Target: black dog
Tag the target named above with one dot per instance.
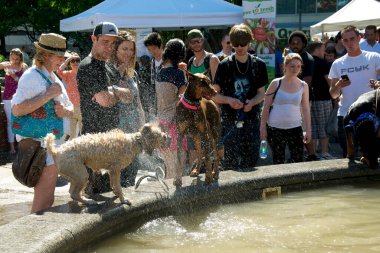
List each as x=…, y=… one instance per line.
x=362, y=128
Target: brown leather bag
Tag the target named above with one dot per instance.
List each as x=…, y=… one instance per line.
x=29, y=163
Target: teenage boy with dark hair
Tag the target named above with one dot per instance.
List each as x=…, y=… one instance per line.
x=154, y=44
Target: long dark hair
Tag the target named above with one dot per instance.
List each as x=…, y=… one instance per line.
x=175, y=52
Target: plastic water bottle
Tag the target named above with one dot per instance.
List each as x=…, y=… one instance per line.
x=263, y=149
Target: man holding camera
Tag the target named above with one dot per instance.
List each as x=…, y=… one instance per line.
x=350, y=76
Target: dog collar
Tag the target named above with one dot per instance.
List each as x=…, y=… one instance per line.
x=188, y=105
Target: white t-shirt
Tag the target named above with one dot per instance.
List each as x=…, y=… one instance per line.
x=157, y=64
x=31, y=84
x=367, y=47
x=221, y=53
x=360, y=69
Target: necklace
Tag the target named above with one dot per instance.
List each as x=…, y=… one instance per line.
x=237, y=66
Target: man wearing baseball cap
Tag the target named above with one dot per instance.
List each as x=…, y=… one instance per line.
x=98, y=97
x=202, y=61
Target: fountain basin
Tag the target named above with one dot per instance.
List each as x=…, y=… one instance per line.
x=69, y=227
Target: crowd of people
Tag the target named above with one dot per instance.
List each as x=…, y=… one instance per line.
x=104, y=91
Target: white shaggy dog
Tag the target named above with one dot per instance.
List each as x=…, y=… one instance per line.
x=111, y=151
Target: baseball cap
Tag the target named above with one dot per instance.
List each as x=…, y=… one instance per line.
x=106, y=28
x=195, y=33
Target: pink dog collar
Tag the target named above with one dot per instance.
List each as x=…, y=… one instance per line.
x=187, y=105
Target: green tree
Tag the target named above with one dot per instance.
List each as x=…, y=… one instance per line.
x=37, y=16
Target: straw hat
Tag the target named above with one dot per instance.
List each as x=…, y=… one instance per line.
x=53, y=43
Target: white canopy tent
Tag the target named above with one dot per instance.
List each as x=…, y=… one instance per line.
x=156, y=14
x=359, y=13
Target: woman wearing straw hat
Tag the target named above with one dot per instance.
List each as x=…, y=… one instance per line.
x=37, y=88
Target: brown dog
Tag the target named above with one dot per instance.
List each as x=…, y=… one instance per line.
x=199, y=116
x=111, y=151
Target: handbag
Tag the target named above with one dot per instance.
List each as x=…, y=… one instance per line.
x=39, y=123
x=29, y=162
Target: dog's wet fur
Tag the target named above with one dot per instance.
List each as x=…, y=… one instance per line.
x=110, y=151
x=203, y=125
x=363, y=135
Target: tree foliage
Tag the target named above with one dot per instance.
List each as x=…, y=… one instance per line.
x=40, y=16
x=37, y=16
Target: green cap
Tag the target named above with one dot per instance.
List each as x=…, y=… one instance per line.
x=195, y=33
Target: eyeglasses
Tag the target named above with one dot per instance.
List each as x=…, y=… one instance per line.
x=239, y=45
x=196, y=41
x=77, y=60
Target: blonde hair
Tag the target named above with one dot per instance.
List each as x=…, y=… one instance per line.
x=291, y=56
x=40, y=57
x=125, y=36
x=18, y=52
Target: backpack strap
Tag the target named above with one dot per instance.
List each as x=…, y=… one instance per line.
x=190, y=62
x=206, y=61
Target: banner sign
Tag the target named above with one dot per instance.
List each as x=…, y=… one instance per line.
x=260, y=16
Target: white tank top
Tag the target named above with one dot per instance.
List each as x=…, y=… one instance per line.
x=286, y=111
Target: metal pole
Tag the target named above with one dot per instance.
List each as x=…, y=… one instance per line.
x=299, y=15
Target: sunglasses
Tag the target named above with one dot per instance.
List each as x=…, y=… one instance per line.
x=197, y=41
x=75, y=60
x=239, y=45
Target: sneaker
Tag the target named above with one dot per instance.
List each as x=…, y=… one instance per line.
x=327, y=156
x=311, y=158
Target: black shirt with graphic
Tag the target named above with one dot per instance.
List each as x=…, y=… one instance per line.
x=241, y=81
x=93, y=77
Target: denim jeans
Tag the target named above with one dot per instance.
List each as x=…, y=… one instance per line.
x=241, y=145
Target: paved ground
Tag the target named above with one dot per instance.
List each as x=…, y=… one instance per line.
x=15, y=199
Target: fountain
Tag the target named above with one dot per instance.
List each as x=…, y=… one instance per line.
x=70, y=227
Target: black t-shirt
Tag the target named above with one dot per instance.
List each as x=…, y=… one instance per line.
x=319, y=83
x=307, y=66
x=93, y=77
x=240, y=80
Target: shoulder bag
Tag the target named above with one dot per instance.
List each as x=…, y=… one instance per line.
x=39, y=123
x=29, y=163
